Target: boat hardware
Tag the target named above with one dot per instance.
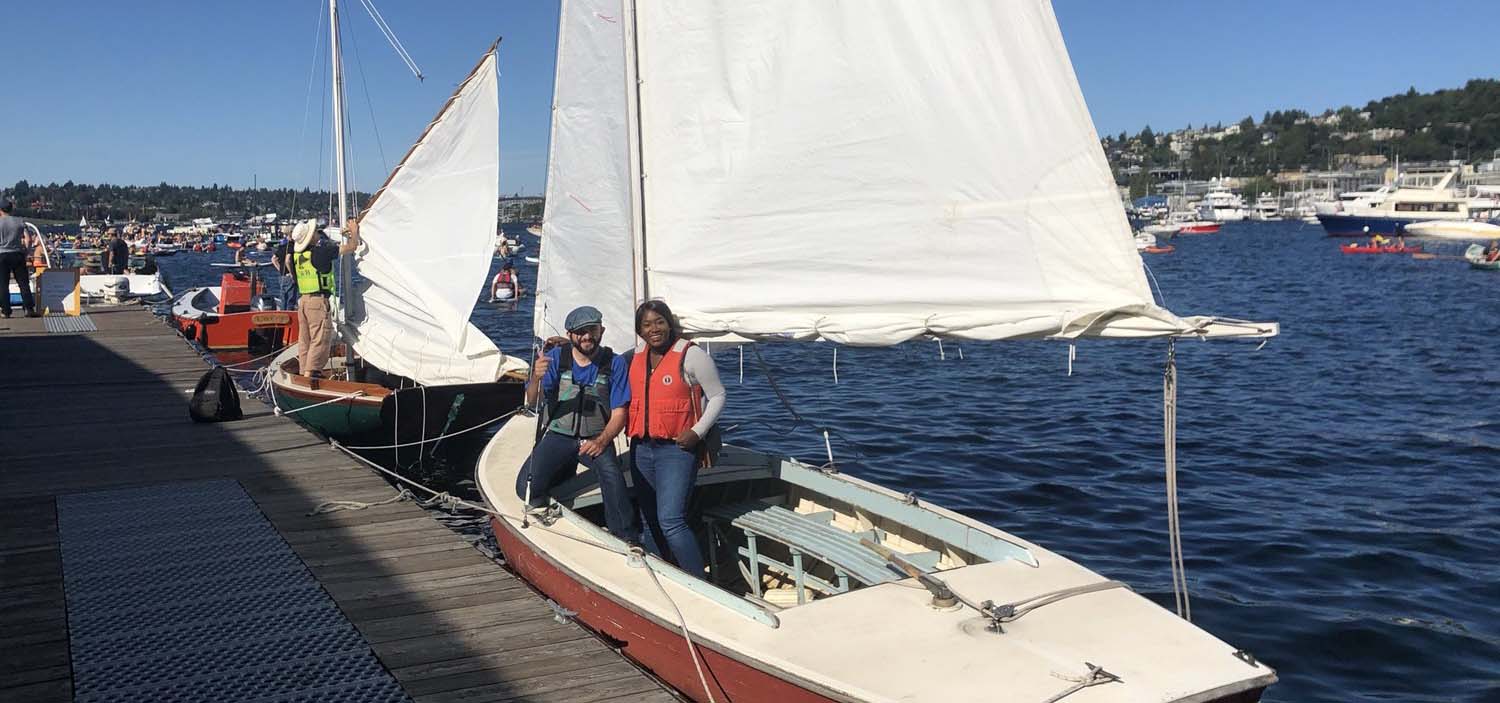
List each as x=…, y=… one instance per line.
x=1096, y=676
x=909, y=499
x=943, y=597
x=560, y=614
x=1245, y=656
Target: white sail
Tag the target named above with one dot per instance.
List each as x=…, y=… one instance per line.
x=587, y=256
x=868, y=172
x=427, y=240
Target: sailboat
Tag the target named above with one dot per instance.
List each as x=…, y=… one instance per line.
x=409, y=359
x=763, y=166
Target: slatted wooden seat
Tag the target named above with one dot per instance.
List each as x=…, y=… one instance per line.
x=812, y=536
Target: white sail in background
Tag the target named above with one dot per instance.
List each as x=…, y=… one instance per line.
x=427, y=238
x=587, y=255
x=868, y=172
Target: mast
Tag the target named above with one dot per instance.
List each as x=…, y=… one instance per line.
x=346, y=262
x=338, y=109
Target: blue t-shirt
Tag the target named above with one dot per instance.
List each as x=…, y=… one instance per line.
x=619, y=382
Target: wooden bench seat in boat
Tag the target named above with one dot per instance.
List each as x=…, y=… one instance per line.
x=810, y=535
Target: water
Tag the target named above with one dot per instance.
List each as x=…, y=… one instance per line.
x=1339, y=489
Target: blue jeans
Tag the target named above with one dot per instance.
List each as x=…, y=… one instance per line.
x=555, y=459
x=289, y=292
x=664, y=476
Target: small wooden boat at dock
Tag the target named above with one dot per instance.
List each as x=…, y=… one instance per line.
x=821, y=586
x=410, y=366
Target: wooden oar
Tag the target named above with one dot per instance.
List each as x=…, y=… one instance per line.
x=1430, y=257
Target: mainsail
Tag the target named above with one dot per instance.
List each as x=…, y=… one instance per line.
x=428, y=237
x=862, y=172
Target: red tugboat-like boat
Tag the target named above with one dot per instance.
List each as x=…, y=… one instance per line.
x=236, y=314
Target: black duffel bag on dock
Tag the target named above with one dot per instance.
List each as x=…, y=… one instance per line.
x=216, y=399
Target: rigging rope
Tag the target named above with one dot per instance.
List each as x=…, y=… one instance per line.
x=1174, y=526
x=346, y=396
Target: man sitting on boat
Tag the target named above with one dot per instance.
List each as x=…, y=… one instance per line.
x=312, y=263
x=1379, y=240
x=1493, y=252
x=587, y=391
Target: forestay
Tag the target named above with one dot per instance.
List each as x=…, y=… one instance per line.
x=428, y=237
x=865, y=172
x=587, y=254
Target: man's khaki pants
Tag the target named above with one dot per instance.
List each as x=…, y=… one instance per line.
x=314, y=333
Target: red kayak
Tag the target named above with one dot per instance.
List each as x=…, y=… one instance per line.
x=1160, y=250
x=1372, y=249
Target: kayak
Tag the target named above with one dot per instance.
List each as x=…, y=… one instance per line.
x=1160, y=250
x=1372, y=249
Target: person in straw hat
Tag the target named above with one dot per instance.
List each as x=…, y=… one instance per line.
x=312, y=265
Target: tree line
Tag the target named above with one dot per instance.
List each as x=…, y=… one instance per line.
x=1460, y=123
x=70, y=201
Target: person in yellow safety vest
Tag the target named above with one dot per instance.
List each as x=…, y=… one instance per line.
x=312, y=264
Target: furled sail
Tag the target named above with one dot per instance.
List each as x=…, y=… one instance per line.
x=428, y=236
x=864, y=172
x=587, y=254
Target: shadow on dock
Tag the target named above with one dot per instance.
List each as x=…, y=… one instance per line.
x=108, y=409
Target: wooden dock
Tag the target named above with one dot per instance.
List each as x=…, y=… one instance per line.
x=107, y=409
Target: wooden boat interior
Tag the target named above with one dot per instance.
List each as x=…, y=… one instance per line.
x=780, y=533
x=338, y=374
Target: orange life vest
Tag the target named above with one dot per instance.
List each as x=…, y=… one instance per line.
x=666, y=405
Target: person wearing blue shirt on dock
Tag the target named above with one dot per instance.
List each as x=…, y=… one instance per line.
x=585, y=393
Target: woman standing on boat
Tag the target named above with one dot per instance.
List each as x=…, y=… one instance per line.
x=675, y=398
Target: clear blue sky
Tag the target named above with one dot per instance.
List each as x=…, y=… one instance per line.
x=214, y=92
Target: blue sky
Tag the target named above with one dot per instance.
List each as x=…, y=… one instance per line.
x=215, y=92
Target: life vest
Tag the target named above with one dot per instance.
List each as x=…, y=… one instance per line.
x=580, y=410
x=310, y=280
x=503, y=278
x=665, y=405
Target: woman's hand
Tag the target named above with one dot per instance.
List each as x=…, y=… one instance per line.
x=687, y=440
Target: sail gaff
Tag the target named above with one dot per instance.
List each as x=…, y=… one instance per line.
x=427, y=240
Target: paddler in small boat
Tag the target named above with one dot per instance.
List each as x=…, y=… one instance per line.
x=1493, y=252
x=675, y=399
x=505, y=286
x=586, y=390
x=1378, y=240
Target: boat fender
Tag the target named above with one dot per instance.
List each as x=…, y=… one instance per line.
x=215, y=398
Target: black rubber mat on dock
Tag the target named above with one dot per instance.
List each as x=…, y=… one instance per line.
x=185, y=592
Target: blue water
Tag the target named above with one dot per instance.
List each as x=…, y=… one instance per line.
x=1339, y=491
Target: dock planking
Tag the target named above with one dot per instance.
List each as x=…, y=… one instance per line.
x=107, y=409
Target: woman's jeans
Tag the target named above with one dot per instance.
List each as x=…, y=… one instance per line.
x=664, y=475
x=555, y=459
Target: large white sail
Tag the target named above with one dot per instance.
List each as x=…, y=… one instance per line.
x=871, y=171
x=586, y=253
x=428, y=238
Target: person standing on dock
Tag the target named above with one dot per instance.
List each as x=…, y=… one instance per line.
x=116, y=254
x=312, y=263
x=13, y=261
x=587, y=392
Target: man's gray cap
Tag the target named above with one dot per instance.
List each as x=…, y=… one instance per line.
x=583, y=317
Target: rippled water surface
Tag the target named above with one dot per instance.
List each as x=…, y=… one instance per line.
x=1338, y=487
